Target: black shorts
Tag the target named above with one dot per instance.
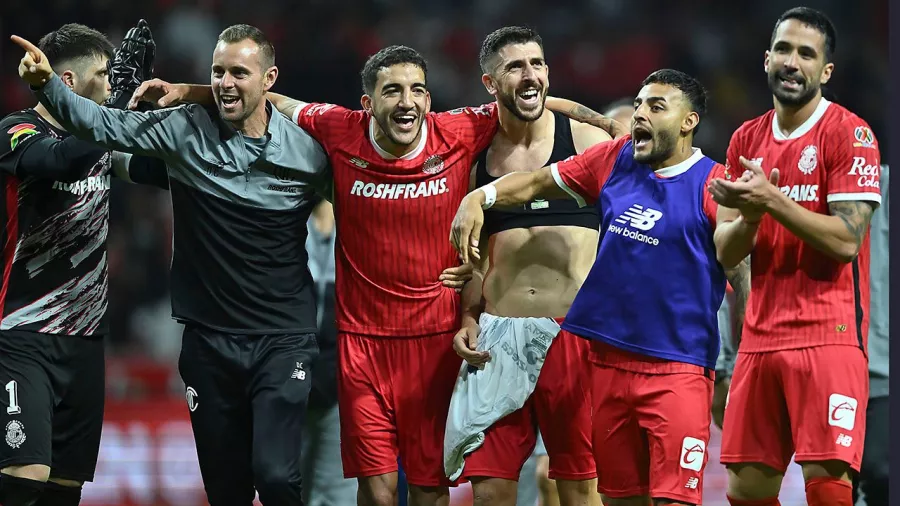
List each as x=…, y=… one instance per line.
x=247, y=396
x=52, y=410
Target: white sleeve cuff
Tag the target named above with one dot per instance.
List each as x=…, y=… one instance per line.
x=554, y=170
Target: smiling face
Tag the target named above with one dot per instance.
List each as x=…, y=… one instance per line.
x=661, y=114
x=520, y=80
x=399, y=103
x=796, y=64
x=238, y=79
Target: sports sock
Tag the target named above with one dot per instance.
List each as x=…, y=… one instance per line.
x=771, y=501
x=829, y=491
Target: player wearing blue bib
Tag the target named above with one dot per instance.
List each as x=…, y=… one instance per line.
x=650, y=301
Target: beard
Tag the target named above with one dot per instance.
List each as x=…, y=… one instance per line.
x=663, y=146
x=509, y=101
x=797, y=98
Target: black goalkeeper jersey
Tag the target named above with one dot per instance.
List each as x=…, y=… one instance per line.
x=54, y=265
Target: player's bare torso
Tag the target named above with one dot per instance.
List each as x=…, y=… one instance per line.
x=533, y=271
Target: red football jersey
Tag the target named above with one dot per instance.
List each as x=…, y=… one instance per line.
x=393, y=216
x=800, y=297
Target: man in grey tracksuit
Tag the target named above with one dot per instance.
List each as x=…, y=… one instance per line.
x=242, y=179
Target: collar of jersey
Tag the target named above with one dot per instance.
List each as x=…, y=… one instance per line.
x=680, y=168
x=805, y=127
x=423, y=139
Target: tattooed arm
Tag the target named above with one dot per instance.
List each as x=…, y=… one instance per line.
x=584, y=114
x=739, y=277
x=838, y=234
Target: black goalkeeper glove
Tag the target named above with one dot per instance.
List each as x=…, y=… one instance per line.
x=131, y=65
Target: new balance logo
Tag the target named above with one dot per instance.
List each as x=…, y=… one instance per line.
x=842, y=411
x=640, y=218
x=299, y=373
x=844, y=440
x=692, y=483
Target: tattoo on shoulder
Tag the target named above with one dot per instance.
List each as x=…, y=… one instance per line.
x=855, y=215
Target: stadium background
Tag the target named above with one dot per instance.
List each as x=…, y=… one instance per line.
x=597, y=50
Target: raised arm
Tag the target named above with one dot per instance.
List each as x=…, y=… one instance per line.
x=154, y=133
x=585, y=114
x=510, y=190
x=165, y=94
x=579, y=177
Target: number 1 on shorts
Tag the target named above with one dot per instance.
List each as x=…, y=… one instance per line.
x=13, y=388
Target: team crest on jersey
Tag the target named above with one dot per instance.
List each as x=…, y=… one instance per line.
x=15, y=434
x=433, y=164
x=864, y=137
x=808, y=159
x=19, y=133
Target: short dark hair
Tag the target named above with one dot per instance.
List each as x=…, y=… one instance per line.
x=388, y=57
x=622, y=102
x=502, y=37
x=691, y=88
x=814, y=18
x=72, y=42
x=238, y=33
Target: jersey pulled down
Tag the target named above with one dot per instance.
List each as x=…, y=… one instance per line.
x=656, y=286
x=54, y=242
x=800, y=297
x=393, y=216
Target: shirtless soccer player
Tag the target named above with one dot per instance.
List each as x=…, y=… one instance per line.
x=539, y=255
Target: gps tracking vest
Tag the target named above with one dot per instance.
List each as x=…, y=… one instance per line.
x=655, y=286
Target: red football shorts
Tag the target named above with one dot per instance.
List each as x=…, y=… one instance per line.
x=560, y=406
x=651, y=425
x=393, y=396
x=808, y=401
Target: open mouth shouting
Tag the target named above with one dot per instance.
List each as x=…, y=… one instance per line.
x=641, y=136
x=404, y=121
x=229, y=102
x=530, y=97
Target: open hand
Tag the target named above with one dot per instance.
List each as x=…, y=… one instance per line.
x=457, y=277
x=160, y=93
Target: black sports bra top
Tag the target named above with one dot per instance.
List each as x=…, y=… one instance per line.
x=539, y=213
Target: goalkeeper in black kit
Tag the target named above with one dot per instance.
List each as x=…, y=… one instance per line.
x=53, y=291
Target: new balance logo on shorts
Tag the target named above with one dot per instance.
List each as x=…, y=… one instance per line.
x=844, y=440
x=842, y=411
x=640, y=218
x=692, y=482
x=692, y=452
x=299, y=373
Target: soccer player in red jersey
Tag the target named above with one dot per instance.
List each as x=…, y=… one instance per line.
x=399, y=173
x=802, y=208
